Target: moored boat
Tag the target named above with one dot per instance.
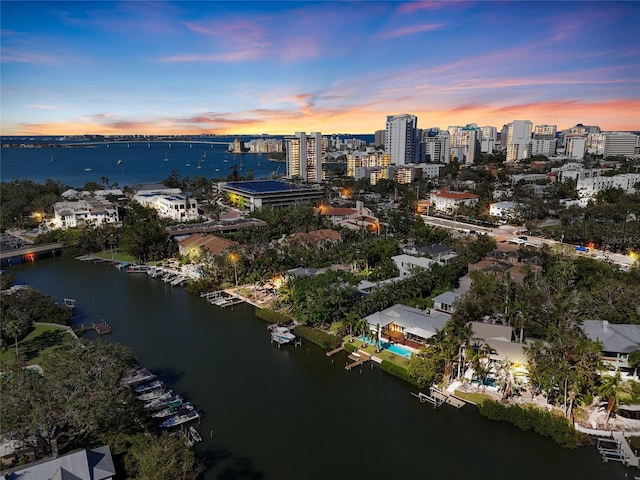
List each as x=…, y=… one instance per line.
x=153, y=394
x=140, y=375
x=160, y=401
x=193, y=433
x=180, y=418
x=282, y=335
x=172, y=410
x=147, y=387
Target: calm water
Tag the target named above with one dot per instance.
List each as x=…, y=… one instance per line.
x=293, y=413
x=141, y=162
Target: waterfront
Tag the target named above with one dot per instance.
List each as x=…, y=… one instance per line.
x=129, y=163
x=281, y=413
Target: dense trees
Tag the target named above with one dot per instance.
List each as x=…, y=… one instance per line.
x=21, y=198
x=144, y=235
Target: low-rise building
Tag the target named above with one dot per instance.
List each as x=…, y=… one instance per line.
x=617, y=340
x=449, y=201
x=196, y=244
x=407, y=263
x=446, y=302
x=89, y=210
x=407, y=325
x=256, y=194
x=178, y=206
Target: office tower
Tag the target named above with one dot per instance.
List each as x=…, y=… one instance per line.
x=400, y=138
x=465, y=142
x=545, y=131
x=504, y=134
x=622, y=144
x=575, y=146
x=518, y=140
x=305, y=157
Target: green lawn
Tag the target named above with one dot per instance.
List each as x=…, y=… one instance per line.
x=41, y=338
x=384, y=354
x=119, y=257
x=477, y=398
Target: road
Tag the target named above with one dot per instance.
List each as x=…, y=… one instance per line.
x=511, y=233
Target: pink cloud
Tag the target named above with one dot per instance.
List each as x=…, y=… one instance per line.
x=401, y=32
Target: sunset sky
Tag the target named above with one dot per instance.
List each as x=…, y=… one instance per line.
x=334, y=67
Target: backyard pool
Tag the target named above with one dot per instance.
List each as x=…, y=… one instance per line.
x=391, y=347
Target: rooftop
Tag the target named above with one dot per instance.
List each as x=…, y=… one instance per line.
x=265, y=186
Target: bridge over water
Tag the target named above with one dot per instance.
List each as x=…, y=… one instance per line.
x=29, y=253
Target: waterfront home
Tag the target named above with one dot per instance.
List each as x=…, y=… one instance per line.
x=94, y=464
x=408, y=325
x=88, y=210
x=317, y=239
x=177, y=206
x=618, y=341
x=196, y=244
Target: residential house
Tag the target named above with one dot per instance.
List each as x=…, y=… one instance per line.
x=89, y=210
x=315, y=239
x=178, y=207
x=196, y=244
x=509, y=264
x=449, y=201
x=94, y=464
x=407, y=325
x=445, y=302
x=359, y=218
x=618, y=341
x=407, y=263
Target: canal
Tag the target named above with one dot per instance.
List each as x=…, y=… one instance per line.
x=294, y=413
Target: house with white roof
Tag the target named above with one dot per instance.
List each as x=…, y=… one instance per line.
x=617, y=340
x=445, y=302
x=89, y=210
x=176, y=206
x=449, y=201
x=407, y=325
x=407, y=263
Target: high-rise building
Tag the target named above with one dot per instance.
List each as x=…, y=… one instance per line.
x=434, y=146
x=305, y=157
x=489, y=139
x=362, y=159
x=545, y=131
x=518, y=140
x=400, y=138
x=575, y=146
x=378, y=137
x=465, y=142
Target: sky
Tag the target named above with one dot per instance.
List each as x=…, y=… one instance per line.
x=236, y=67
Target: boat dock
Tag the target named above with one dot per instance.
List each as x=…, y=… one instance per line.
x=358, y=358
x=221, y=298
x=332, y=352
x=438, y=397
x=101, y=328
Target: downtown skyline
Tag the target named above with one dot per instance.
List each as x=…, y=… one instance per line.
x=280, y=67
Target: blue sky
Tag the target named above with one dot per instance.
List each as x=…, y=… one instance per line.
x=281, y=67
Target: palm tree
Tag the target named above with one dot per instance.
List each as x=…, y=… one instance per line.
x=610, y=389
x=634, y=361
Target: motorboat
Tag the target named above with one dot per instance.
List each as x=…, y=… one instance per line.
x=147, y=387
x=282, y=335
x=171, y=410
x=180, y=418
x=160, y=401
x=141, y=375
x=153, y=394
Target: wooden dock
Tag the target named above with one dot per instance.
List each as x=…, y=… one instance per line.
x=101, y=328
x=358, y=359
x=339, y=349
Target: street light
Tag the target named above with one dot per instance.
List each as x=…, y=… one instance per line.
x=234, y=259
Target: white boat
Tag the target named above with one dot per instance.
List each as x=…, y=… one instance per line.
x=180, y=418
x=147, y=387
x=282, y=335
x=195, y=436
x=153, y=394
x=141, y=375
x=160, y=401
x=170, y=411
x=87, y=169
x=119, y=162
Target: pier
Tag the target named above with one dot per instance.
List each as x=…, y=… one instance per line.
x=221, y=298
x=101, y=328
x=332, y=352
x=438, y=397
x=358, y=359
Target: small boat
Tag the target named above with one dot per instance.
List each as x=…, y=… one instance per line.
x=282, y=335
x=195, y=436
x=119, y=162
x=140, y=375
x=166, y=159
x=217, y=169
x=180, y=418
x=172, y=410
x=162, y=401
x=87, y=169
x=153, y=394
x=187, y=164
x=147, y=387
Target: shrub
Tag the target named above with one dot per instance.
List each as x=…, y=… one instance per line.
x=271, y=316
x=349, y=348
x=397, y=371
x=540, y=421
x=319, y=337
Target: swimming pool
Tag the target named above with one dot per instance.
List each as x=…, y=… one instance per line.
x=391, y=347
